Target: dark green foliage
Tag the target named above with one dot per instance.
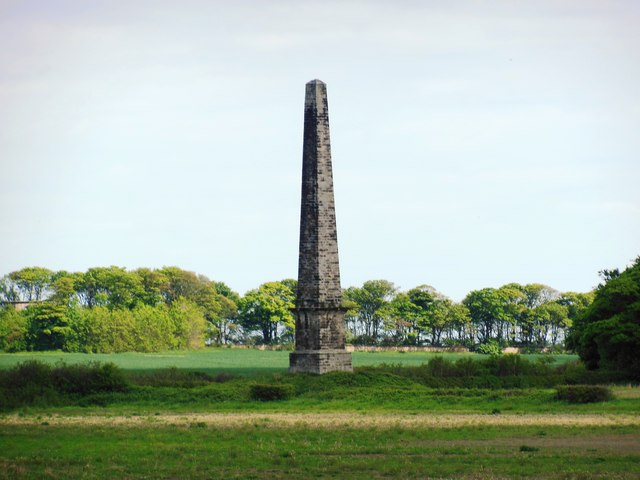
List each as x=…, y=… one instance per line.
x=574, y=373
x=48, y=326
x=583, y=393
x=607, y=334
x=26, y=374
x=267, y=393
x=94, y=377
x=37, y=383
x=527, y=448
x=504, y=371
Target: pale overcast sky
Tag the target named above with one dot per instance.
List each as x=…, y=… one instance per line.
x=475, y=143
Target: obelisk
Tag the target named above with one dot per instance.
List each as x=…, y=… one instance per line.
x=320, y=341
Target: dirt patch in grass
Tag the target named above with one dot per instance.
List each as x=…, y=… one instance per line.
x=329, y=420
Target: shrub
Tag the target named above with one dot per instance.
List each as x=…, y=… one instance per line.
x=527, y=448
x=36, y=383
x=267, y=393
x=513, y=364
x=442, y=367
x=95, y=377
x=29, y=373
x=489, y=348
x=583, y=393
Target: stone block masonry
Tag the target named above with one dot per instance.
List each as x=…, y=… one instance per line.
x=320, y=338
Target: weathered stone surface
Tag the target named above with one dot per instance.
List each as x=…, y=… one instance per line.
x=320, y=361
x=319, y=317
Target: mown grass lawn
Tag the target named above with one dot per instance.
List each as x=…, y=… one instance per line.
x=233, y=360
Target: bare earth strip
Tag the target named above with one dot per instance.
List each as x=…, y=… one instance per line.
x=330, y=420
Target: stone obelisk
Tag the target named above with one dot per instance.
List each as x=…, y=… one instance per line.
x=320, y=342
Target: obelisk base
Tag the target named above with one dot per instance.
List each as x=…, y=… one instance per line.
x=320, y=361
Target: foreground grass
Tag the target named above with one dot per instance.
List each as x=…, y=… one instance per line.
x=379, y=422
x=236, y=361
x=198, y=449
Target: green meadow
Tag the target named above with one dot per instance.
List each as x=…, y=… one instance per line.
x=236, y=360
x=199, y=415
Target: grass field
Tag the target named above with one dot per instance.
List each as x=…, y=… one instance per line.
x=371, y=424
x=238, y=361
x=260, y=448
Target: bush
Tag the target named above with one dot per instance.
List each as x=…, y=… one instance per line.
x=503, y=371
x=30, y=373
x=95, y=377
x=36, y=383
x=267, y=393
x=489, y=348
x=583, y=393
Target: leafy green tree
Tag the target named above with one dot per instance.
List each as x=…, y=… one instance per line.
x=538, y=294
x=291, y=283
x=401, y=320
x=424, y=299
x=431, y=312
x=227, y=327
x=103, y=330
x=153, y=283
x=607, y=334
x=459, y=324
x=64, y=288
x=48, y=326
x=373, y=305
x=180, y=284
x=487, y=309
x=515, y=319
x=13, y=330
x=548, y=318
x=8, y=290
x=268, y=309
x=153, y=329
x=223, y=326
x=576, y=303
x=32, y=283
x=113, y=287
x=189, y=324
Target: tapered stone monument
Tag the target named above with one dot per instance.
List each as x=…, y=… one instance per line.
x=320, y=341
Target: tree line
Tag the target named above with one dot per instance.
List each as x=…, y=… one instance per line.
x=112, y=309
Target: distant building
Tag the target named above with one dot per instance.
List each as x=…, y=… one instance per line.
x=19, y=306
